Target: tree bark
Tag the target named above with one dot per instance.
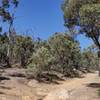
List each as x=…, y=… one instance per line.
x=99, y=62
x=96, y=41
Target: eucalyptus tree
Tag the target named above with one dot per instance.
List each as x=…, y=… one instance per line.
x=86, y=14
x=7, y=10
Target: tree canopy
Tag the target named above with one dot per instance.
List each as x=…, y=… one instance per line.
x=85, y=13
x=5, y=5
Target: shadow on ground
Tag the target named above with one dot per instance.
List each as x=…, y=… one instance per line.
x=4, y=87
x=50, y=78
x=2, y=92
x=94, y=85
x=17, y=75
x=4, y=78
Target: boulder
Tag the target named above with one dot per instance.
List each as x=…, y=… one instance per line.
x=33, y=83
x=59, y=94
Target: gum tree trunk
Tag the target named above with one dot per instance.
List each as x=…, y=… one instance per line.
x=99, y=62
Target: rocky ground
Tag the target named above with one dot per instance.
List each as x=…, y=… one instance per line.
x=15, y=86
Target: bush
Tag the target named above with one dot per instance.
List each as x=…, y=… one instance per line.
x=60, y=53
x=19, y=51
x=41, y=61
x=23, y=50
x=4, y=59
x=89, y=60
x=66, y=51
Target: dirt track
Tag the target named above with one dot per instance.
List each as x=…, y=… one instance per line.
x=18, y=88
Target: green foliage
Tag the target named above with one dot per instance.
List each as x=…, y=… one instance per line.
x=88, y=12
x=7, y=15
x=89, y=60
x=3, y=50
x=60, y=54
x=5, y=5
x=65, y=51
x=41, y=61
x=85, y=13
x=23, y=49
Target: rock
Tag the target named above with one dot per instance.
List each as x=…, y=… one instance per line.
x=42, y=92
x=33, y=83
x=1, y=71
x=59, y=94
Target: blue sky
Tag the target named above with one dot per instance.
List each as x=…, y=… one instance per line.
x=42, y=18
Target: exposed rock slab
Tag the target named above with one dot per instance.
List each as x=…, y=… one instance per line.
x=59, y=94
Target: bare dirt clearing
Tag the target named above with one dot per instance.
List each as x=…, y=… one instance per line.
x=20, y=88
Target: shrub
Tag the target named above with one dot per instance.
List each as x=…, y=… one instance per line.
x=89, y=60
x=66, y=51
x=59, y=54
x=4, y=59
x=23, y=50
x=41, y=61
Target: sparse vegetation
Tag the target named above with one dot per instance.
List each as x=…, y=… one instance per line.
x=62, y=54
x=26, y=61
